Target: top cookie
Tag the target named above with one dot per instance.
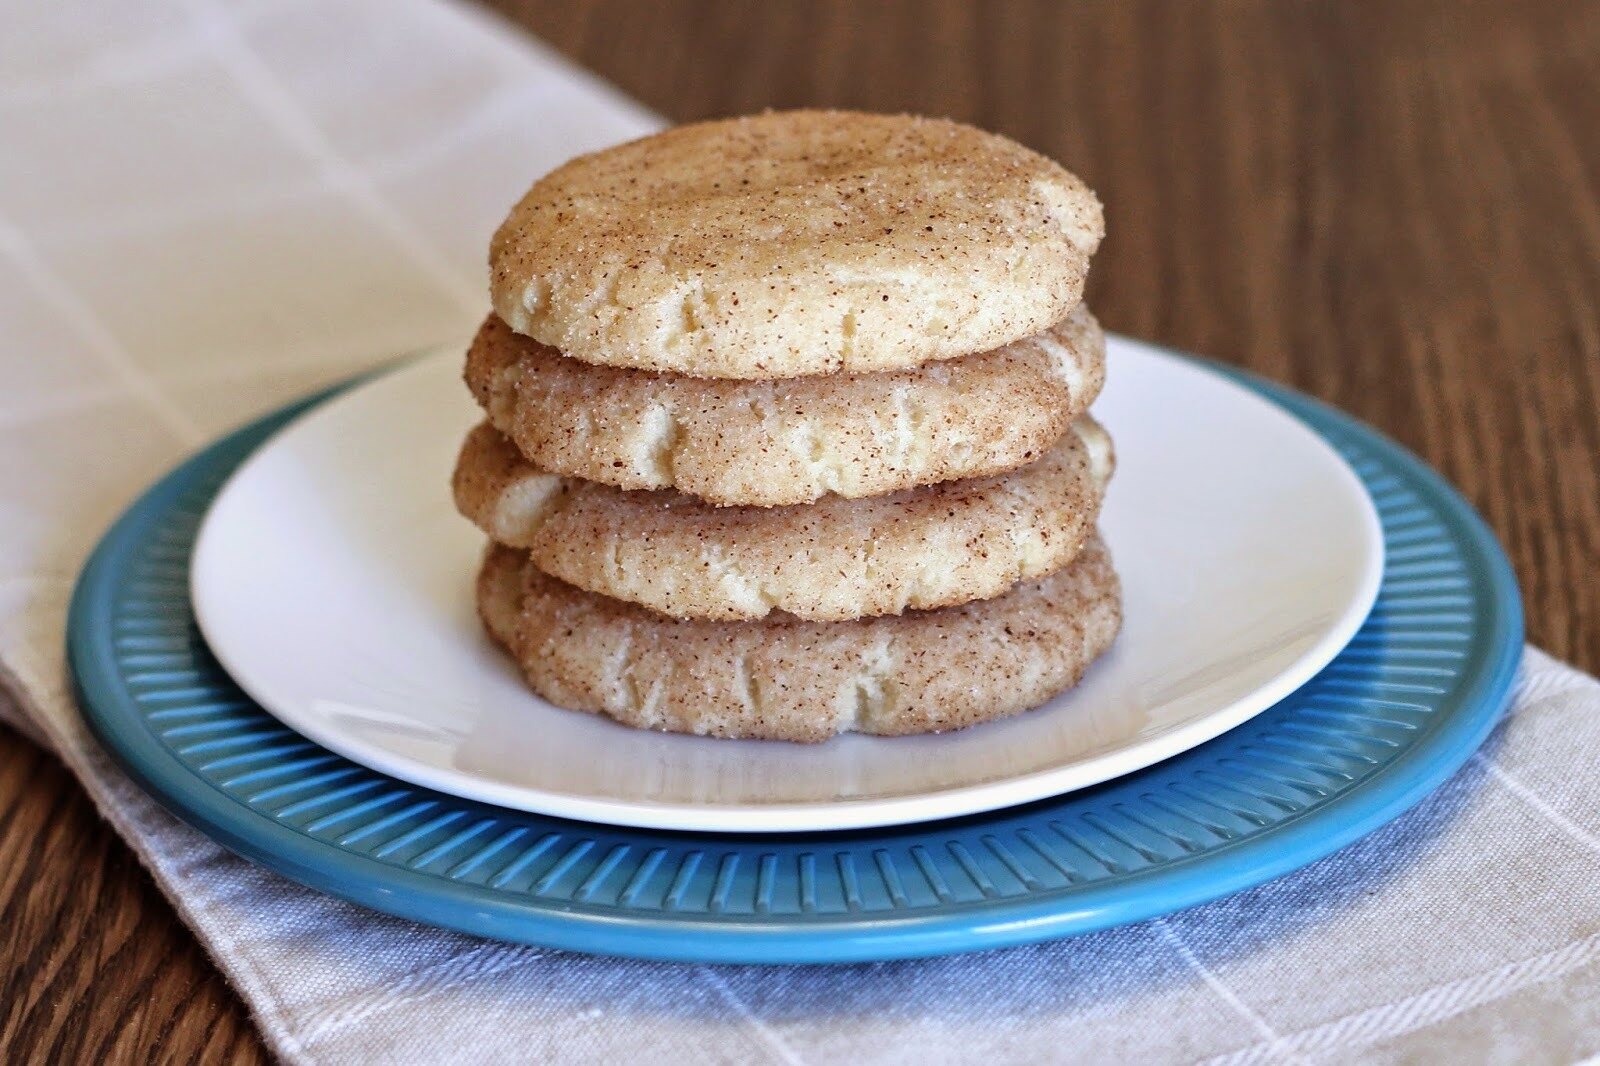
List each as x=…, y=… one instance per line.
x=793, y=243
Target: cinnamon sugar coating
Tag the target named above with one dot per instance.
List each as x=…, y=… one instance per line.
x=786, y=679
x=770, y=443
x=832, y=560
x=792, y=243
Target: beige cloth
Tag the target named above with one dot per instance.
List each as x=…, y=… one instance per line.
x=209, y=209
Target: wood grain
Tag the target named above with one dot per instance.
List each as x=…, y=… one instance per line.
x=1395, y=207
x=94, y=964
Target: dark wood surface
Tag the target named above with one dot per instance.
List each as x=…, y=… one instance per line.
x=1394, y=206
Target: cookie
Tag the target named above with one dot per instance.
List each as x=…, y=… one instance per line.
x=785, y=679
x=772, y=443
x=830, y=560
x=793, y=243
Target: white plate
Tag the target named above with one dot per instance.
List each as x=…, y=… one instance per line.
x=333, y=580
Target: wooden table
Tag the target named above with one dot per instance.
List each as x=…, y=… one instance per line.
x=1395, y=207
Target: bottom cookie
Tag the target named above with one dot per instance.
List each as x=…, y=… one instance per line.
x=786, y=679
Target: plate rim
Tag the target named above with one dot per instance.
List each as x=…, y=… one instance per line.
x=687, y=936
x=955, y=801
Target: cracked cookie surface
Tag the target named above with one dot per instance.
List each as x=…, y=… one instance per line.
x=772, y=443
x=832, y=560
x=793, y=243
x=786, y=679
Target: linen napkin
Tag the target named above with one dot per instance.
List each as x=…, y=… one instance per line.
x=207, y=209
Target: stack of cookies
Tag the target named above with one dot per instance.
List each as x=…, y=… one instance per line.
x=786, y=430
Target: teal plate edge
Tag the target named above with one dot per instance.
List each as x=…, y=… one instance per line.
x=1352, y=750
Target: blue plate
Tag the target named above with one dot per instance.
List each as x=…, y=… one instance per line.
x=1403, y=706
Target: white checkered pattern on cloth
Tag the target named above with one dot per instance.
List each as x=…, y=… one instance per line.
x=207, y=209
